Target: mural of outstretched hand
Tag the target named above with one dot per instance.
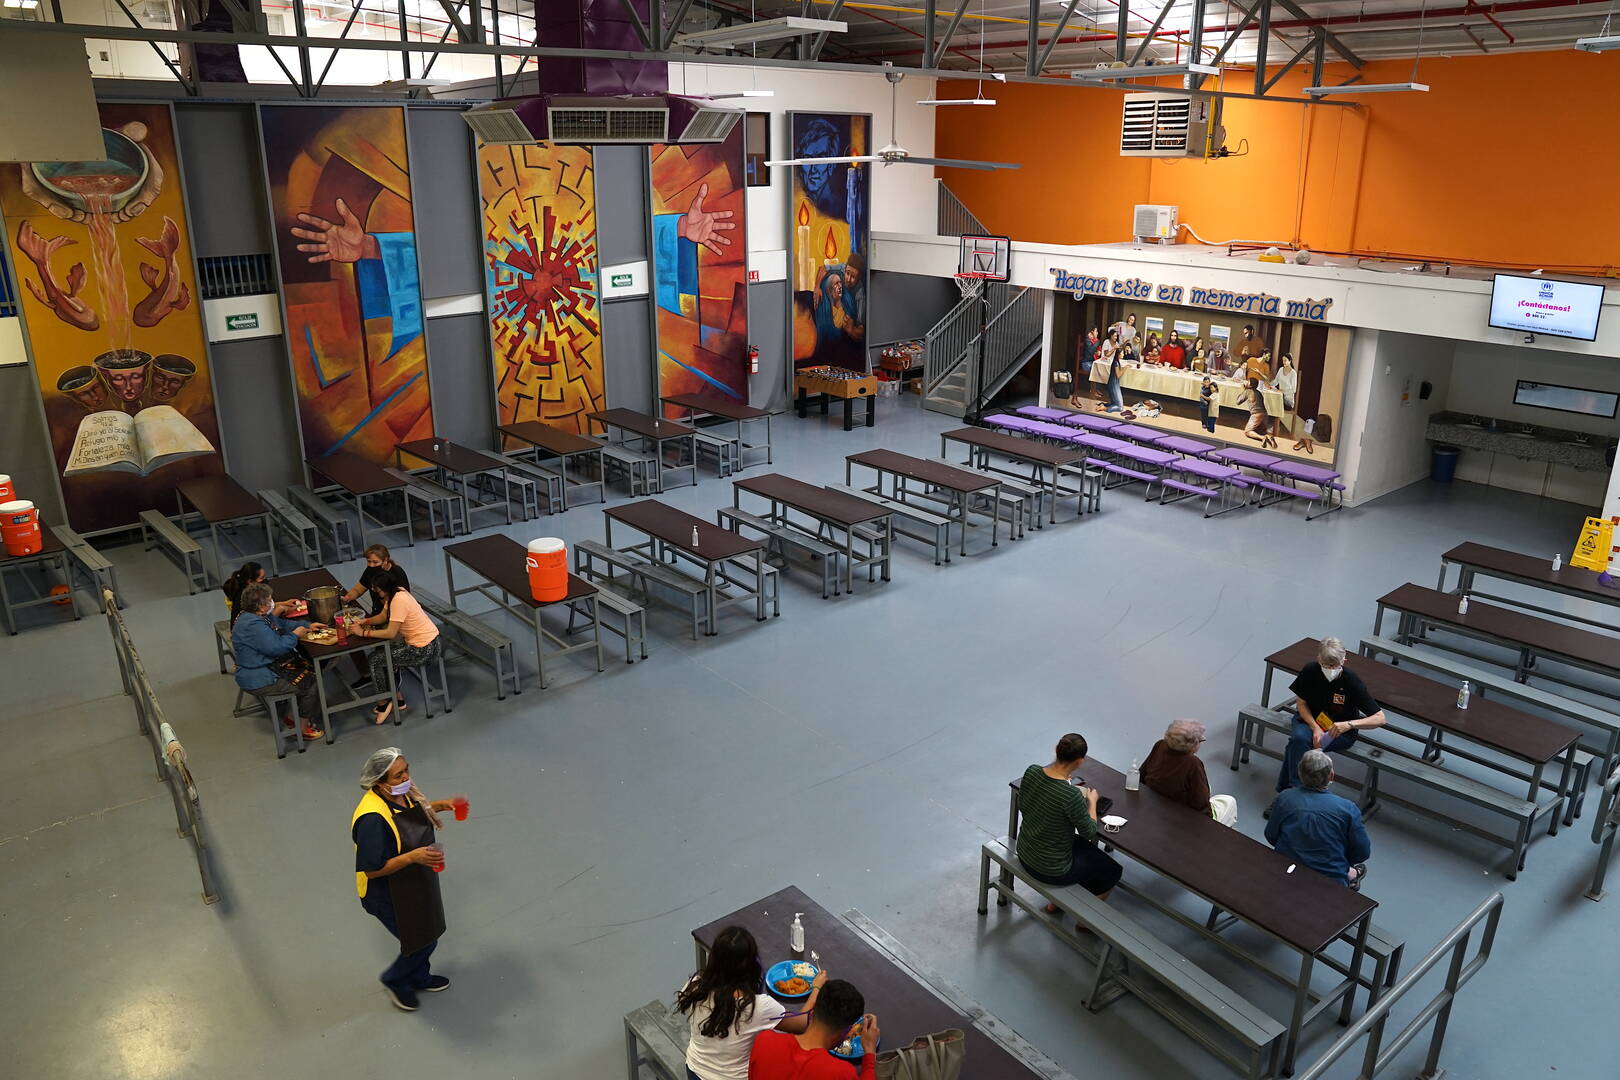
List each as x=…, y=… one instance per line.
x=137, y=204
x=168, y=293
x=706, y=227
x=345, y=241
x=60, y=298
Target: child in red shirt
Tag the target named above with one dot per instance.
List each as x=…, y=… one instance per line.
x=840, y=1012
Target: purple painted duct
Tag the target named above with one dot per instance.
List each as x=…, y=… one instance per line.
x=594, y=24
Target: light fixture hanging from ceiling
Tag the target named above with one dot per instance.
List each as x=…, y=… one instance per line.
x=749, y=33
x=1604, y=41
x=978, y=97
x=1383, y=88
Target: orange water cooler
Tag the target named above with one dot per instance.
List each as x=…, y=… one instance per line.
x=548, y=569
x=8, y=490
x=19, y=528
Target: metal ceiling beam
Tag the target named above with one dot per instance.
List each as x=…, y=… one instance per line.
x=1338, y=46
x=186, y=84
x=1032, y=58
x=930, y=13
x=1051, y=43
x=819, y=42
x=1312, y=44
x=1141, y=50
x=452, y=12
x=1119, y=34
x=635, y=23
x=1262, y=42
x=1196, y=82
x=676, y=19
x=950, y=32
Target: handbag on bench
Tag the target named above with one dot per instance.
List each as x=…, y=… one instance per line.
x=929, y=1057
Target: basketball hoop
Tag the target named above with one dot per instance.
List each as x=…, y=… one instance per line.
x=982, y=259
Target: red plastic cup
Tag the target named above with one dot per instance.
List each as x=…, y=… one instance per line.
x=460, y=805
x=440, y=849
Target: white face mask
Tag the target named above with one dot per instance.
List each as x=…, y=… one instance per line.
x=400, y=788
x=1331, y=673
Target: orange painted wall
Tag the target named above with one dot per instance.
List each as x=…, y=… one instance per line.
x=1510, y=159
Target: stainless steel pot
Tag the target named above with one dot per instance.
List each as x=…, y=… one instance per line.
x=324, y=603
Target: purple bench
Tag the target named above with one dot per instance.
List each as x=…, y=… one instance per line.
x=1292, y=473
x=1227, y=482
x=1091, y=422
x=1038, y=413
x=1181, y=444
x=1136, y=433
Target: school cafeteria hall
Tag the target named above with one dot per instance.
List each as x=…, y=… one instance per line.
x=682, y=540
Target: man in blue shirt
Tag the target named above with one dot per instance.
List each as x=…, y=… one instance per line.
x=1320, y=829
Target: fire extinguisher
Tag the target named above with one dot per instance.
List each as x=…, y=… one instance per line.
x=753, y=359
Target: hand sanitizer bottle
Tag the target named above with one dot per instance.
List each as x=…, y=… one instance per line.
x=694, y=536
x=1558, y=561
x=796, y=935
x=1133, y=779
x=1463, y=695
x=1462, y=605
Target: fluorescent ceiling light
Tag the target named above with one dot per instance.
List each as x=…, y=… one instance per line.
x=730, y=37
x=1598, y=44
x=1143, y=71
x=1367, y=88
x=410, y=84
x=740, y=93
x=958, y=101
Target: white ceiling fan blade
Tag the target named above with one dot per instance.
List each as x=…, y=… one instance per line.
x=821, y=161
x=951, y=163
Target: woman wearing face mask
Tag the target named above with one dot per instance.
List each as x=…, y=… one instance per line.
x=1333, y=704
x=395, y=864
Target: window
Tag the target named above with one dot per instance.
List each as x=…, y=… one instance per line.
x=757, y=148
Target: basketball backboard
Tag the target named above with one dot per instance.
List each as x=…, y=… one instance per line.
x=986, y=258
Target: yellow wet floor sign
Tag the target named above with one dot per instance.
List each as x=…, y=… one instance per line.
x=1592, y=549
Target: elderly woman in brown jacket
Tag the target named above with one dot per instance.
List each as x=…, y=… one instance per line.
x=1173, y=770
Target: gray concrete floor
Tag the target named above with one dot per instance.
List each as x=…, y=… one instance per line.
x=859, y=748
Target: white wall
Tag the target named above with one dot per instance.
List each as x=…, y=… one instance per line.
x=1485, y=377
x=902, y=195
x=1389, y=450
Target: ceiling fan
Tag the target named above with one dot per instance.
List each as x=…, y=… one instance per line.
x=894, y=153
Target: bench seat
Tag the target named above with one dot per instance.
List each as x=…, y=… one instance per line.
x=476, y=640
x=157, y=529
x=336, y=526
x=940, y=524
x=782, y=537
x=644, y=570
x=291, y=521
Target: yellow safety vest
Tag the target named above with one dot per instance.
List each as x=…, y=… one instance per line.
x=371, y=803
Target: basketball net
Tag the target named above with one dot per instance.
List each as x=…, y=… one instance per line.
x=969, y=285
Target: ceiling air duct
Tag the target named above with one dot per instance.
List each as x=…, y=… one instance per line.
x=622, y=119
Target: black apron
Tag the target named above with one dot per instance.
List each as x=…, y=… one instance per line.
x=418, y=907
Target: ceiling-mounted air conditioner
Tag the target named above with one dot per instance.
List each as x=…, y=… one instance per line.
x=641, y=120
x=1170, y=125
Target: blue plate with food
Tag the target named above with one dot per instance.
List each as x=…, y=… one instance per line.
x=851, y=1049
x=791, y=979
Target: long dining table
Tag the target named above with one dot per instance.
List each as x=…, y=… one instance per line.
x=549, y=442
x=1043, y=459
x=832, y=511
x=1233, y=873
x=703, y=543
x=362, y=480
x=960, y=483
x=1474, y=561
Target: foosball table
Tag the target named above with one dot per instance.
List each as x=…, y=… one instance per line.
x=821, y=384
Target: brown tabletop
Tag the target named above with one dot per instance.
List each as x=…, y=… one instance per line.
x=674, y=527
x=50, y=545
x=924, y=471
x=834, y=506
x=219, y=498
x=500, y=560
x=552, y=440
x=905, y=1009
x=651, y=427
x=717, y=406
x=293, y=586
x=1012, y=446
x=1485, y=721
x=354, y=474
x=1305, y=909
x=452, y=457
x=1542, y=636
x=1532, y=570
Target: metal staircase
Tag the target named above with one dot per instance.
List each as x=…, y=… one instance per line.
x=1012, y=327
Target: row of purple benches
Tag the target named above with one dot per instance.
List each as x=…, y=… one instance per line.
x=1209, y=469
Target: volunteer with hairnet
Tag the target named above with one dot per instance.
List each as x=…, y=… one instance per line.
x=395, y=864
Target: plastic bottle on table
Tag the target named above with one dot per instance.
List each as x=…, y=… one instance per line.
x=1558, y=561
x=342, y=630
x=1462, y=605
x=1133, y=778
x=796, y=935
x=1463, y=695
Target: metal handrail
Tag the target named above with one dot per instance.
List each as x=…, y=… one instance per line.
x=1009, y=335
x=1603, y=832
x=953, y=216
x=1437, y=1011
x=168, y=755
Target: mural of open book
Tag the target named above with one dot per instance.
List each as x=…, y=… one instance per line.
x=141, y=444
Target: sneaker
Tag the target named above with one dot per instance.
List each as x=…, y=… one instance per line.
x=361, y=683
x=404, y=1000
x=311, y=733
x=434, y=984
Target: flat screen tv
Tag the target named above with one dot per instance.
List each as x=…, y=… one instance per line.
x=1538, y=305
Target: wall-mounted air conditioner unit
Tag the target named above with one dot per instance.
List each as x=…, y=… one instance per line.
x=1170, y=125
x=645, y=119
x=1154, y=224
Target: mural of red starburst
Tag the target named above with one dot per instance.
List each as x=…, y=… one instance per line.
x=540, y=256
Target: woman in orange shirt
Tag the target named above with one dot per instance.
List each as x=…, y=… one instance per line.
x=412, y=638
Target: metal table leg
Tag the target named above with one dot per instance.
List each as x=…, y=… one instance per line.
x=1302, y=999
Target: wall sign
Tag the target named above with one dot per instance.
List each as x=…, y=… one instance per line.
x=237, y=323
x=624, y=280
x=1264, y=304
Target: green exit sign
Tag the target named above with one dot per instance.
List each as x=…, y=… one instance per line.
x=621, y=281
x=247, y=321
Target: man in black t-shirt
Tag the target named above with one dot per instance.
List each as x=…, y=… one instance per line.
x=1324, y=688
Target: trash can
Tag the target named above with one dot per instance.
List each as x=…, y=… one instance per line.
x=1443, y=467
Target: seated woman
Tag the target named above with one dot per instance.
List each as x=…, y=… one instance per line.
x=726, y=1006
x=1057, y=840
x=412, y=637
x=259, y=638
x=377, y=560
x=250, y=573
x=1173, y=770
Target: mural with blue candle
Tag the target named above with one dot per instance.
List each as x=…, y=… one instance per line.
x=829, y=229
x=340, y=194
x=700, y=269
